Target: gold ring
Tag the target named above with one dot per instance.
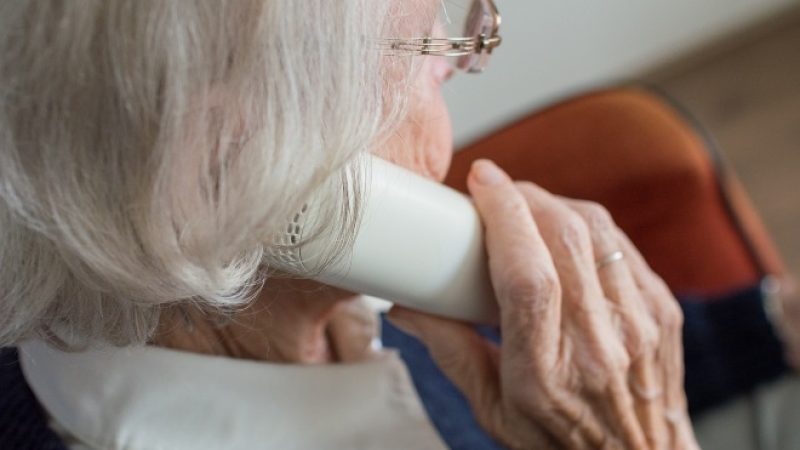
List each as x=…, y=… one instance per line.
x=610, y=258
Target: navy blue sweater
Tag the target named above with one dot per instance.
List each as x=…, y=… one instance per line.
x=730, y=349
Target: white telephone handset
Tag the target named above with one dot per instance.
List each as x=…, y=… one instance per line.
x=420, y=244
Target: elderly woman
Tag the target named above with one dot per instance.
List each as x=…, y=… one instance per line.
x=149, y=152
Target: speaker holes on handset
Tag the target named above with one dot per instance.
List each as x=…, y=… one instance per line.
x=286, y=251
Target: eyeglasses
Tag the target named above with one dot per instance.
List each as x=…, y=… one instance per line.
x=481, y=23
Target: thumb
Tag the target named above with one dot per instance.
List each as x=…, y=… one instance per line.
x=466, y=358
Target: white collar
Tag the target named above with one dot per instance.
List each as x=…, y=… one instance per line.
x=154, y=398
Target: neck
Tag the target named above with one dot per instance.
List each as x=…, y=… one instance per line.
x=291, y=321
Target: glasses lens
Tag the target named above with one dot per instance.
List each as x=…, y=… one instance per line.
x=453, y=16
x=480, y=22
x=468, y=19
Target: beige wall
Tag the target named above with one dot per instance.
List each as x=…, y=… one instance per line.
x=553, y=47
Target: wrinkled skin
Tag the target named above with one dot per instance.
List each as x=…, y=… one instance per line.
x=301, y=321
x=591, y=357
x=291, y=321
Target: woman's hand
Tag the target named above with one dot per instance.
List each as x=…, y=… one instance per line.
x=591, y=356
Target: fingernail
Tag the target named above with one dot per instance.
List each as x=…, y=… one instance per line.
x=487, y=173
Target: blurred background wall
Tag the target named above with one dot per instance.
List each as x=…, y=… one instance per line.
x=734, y=64
x=554, y=47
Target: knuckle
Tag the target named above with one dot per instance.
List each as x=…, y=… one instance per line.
x=667, y=309
x=672, y=315
x=620, y=362
x=661, y=287
x=531, y=286
x=574, y=231
x=598, y=218
x=513, y=206
x=649, y=336
x=641, y=332
x=613, y=363
x=656, y=287
x=612, y=360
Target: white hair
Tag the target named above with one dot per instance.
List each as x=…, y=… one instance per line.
x=150, y=149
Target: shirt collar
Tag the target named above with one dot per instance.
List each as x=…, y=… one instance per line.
x=153, y=398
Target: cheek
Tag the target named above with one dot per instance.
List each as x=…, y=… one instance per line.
x=424, y=141
x=430, y=133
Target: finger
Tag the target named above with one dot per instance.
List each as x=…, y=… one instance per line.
x=567, y=237
x=459, y=351
x=522, y=272
x=669, y=354
x=529, y=295
x=568, y=419
x=569, y=240
x=471, y=363
x=616, y=279
x=646, y=382
x=640, y=331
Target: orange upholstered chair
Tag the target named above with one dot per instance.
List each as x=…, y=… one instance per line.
x=635, y=152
